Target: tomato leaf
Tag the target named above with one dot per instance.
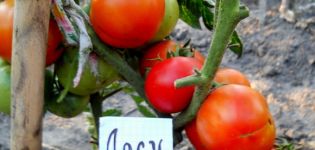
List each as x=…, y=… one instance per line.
x=145, y=111
x=189, y=12
x=192, y=10
x=208, y=15
x=112, y=112
x=137, y=99
x=236, y=44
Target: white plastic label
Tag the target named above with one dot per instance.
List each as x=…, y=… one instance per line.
x=130, y=133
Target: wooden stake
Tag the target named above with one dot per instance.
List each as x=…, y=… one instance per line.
x=30, y=32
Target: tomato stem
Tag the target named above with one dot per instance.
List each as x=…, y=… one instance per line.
x=96, y=106
x=227, y=16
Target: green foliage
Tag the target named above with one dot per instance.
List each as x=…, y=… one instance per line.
x=236, y=44
x=192, y=10
x=286, y=143
x=140, y=102
x=112, y=112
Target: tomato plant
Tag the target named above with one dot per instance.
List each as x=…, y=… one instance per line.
x=159, y=84
x=159, y=52
x=96, y=73
x=169, y=20
x=231, y=76
x=235, y=117
x=6, y=29
x=125, y=23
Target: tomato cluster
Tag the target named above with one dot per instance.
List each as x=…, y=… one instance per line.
x=233, y=116
x=120, y=23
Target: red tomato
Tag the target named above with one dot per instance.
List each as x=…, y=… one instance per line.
x=159, y=84
x=235, y=117
x=126, y=23
x=192, y=135
x=231, y=76
x=6, y=30
x=158, y=52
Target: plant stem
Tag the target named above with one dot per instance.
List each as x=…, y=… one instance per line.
x=123, y=68
x=227, y=14
x=96, y=106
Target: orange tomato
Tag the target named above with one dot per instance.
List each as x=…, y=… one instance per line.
x=231, y=76
x=235, y=117
x=6, y=30
x=126, y=23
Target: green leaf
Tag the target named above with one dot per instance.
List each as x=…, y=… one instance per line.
x=128, y=90
x=236, y=44
x=208, y=17
x=209, y=3
x=192, y=10
x=189, y=12
x=112, y=112
x=145, y=111
x=137, y=99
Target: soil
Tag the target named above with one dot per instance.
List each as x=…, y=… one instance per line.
x=278, y=58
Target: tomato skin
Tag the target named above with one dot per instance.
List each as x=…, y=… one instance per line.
x=5, y=88
x=169, y=20
x=192, y=135
x=126, y=23
x=158, y=53
x=231, y=76
x=71, y=106
x=235, y=117
x=6, y=30
x=159, y=84
x=89, y=82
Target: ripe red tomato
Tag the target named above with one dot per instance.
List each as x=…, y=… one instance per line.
x=159, y=84
x=235, y=117
x=6, y=30
x=126, y=23
x=231, y=76
x=192, y=135
x=158, y=53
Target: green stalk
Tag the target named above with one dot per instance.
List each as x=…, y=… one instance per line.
x=227, y=16
x=96, y=107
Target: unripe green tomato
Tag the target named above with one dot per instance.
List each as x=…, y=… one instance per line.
x=169, y=21
x=5, y=87
x=71, y=105
x=96, y=73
